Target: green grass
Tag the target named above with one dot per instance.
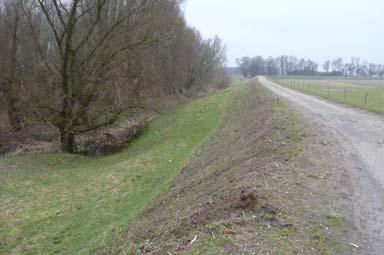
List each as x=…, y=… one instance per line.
x=70, y=204
x=358, y=93
x=335, y=221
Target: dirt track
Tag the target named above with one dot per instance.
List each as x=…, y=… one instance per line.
x=359, y=139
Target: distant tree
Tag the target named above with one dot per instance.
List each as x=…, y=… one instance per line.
x=271, y=66
x=380, y=70
x=327, y=66
x=337, y=65
x=283, y=64
x=365, y=68
x=356, y=63
x=372, y=69
x=350, y=68
x=245, y=66
x=257, y=66
x=292, y=63
x=301, y=64
x=314, y=66
x=211, y=58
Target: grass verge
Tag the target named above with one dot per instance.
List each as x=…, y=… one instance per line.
x=70, y=204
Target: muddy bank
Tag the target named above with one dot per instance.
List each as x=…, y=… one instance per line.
x=112, y=139
x=106, y=140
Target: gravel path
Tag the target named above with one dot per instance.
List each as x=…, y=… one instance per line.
x=359, y=137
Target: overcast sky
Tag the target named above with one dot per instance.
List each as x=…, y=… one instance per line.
x=317, y=29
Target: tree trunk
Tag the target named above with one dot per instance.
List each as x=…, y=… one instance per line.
x=13, y=115
x=189, y=83
x=67, y=136
x=67, y=141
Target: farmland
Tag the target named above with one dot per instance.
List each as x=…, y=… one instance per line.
x=363, y=93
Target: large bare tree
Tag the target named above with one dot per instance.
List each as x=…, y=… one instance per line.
x=79, y=64
x=89, y=37
x=10, y=22
x=210, y=57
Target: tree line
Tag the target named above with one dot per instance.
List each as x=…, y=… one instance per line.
x=291, y=65
x=356, y=67
x=79, y=64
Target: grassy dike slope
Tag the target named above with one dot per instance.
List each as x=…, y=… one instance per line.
x=68, y=204
x=258, y=185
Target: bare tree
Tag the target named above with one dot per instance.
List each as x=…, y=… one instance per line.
x=79, y=64
x=88, y=37
x=337, y=65
x=380, y=70
x=9, y=81
x=327, y=66
x=372, y=69
x=244, y=64
x=211, y=58
x=282, y=65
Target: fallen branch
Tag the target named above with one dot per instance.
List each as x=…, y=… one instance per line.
x=192, y=241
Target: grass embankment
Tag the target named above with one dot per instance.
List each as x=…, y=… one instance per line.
x=70, y=204
x=364, y=94
x=252, y=188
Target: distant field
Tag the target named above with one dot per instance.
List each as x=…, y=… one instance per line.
x=366, y=94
